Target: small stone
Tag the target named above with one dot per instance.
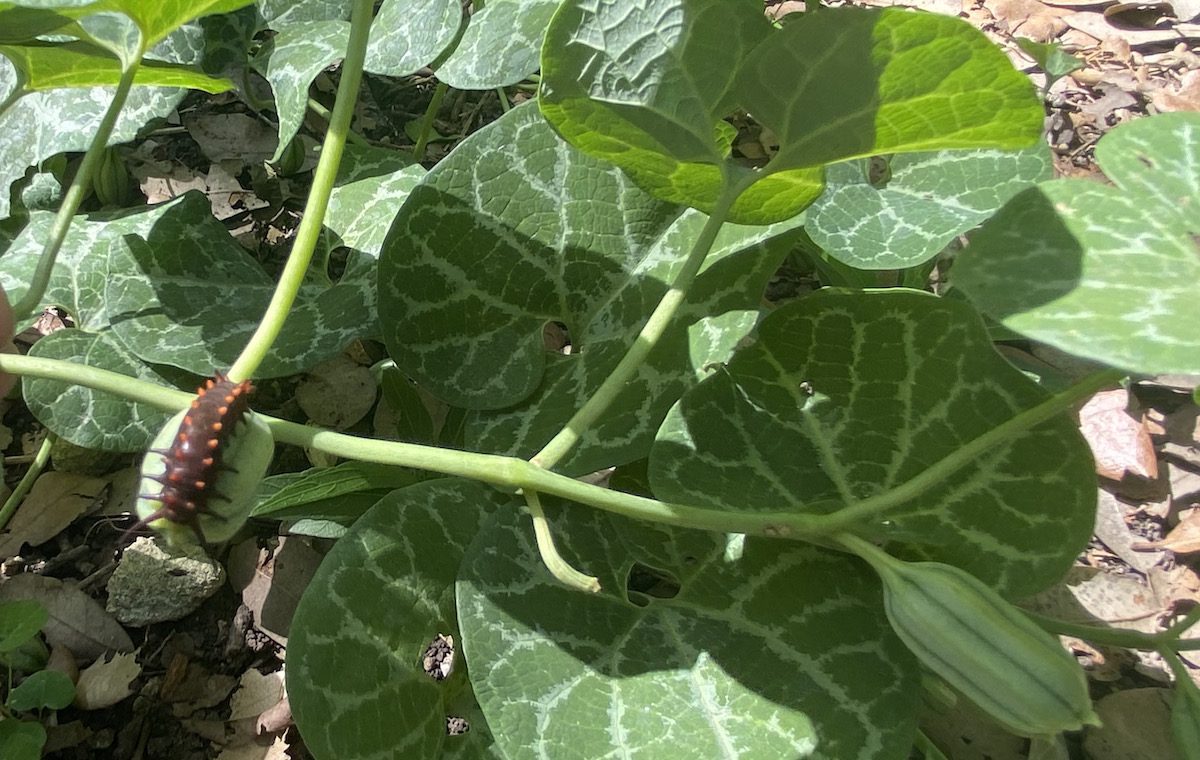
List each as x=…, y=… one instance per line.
x=153, y=584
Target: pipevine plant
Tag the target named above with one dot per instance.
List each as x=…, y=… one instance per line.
x=812, y=507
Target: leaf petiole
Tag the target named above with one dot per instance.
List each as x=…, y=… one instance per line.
x=650, y=334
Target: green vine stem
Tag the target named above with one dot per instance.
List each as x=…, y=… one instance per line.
x=874, y=507
x=927, y=748
x=32, y=474
x=319, y=109
x=311, y=223
x=651, y=332
x=1118, y=637
x=558, y=567
x=510, y=473
x=431, y=112
x=32, y=300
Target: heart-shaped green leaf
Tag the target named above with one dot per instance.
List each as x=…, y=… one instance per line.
x=409, y=34
x=291, y=60
x=188, y=296
x=1108, y=273
x=926, y=200
x=85, y=417
x=514, y=230
x=80, y=273
x=844, y=396
x=621, y=83
x=500, y=45
x=699, y=645
x=372, y=184
x=356, y=680
x=860, y=82
x=46, y=689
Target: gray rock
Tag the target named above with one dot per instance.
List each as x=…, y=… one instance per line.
x=154, y=584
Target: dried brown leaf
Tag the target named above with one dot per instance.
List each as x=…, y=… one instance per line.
x=256, y=694
x=105, y=683
x=337, y=393
x=77, y=621
x=1119, y=440
x=1184, y=538
x=55, y=500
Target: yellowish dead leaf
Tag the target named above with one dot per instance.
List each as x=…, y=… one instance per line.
x=105, y=683
x=276, y=750
x=256, y=694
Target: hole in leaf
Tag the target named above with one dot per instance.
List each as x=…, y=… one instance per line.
x=645, y=583
x=456, y=726
x=879, y=171
x=556, y=337
x=752, y=144
x=438, y=660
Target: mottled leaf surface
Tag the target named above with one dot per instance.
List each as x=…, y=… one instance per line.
x=920, y=206
x=409, y=34
x=80, y=274
x=48, y=66
x=186, y=295
x=66, y=120
x=372, y=184
x=280, y=13
x=1107, y=273
x=291, y=61
x=85, y=417
x=500, y=45
x=516, y=229
x=355, y=677
x=647, y=86
x=750, y=648
x=843, y=396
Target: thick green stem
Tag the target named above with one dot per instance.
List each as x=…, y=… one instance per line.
x=508, y=473
x=27, y=480
x=647, y=339
x=873, y=508
x=31, y=301
x=309, y=231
